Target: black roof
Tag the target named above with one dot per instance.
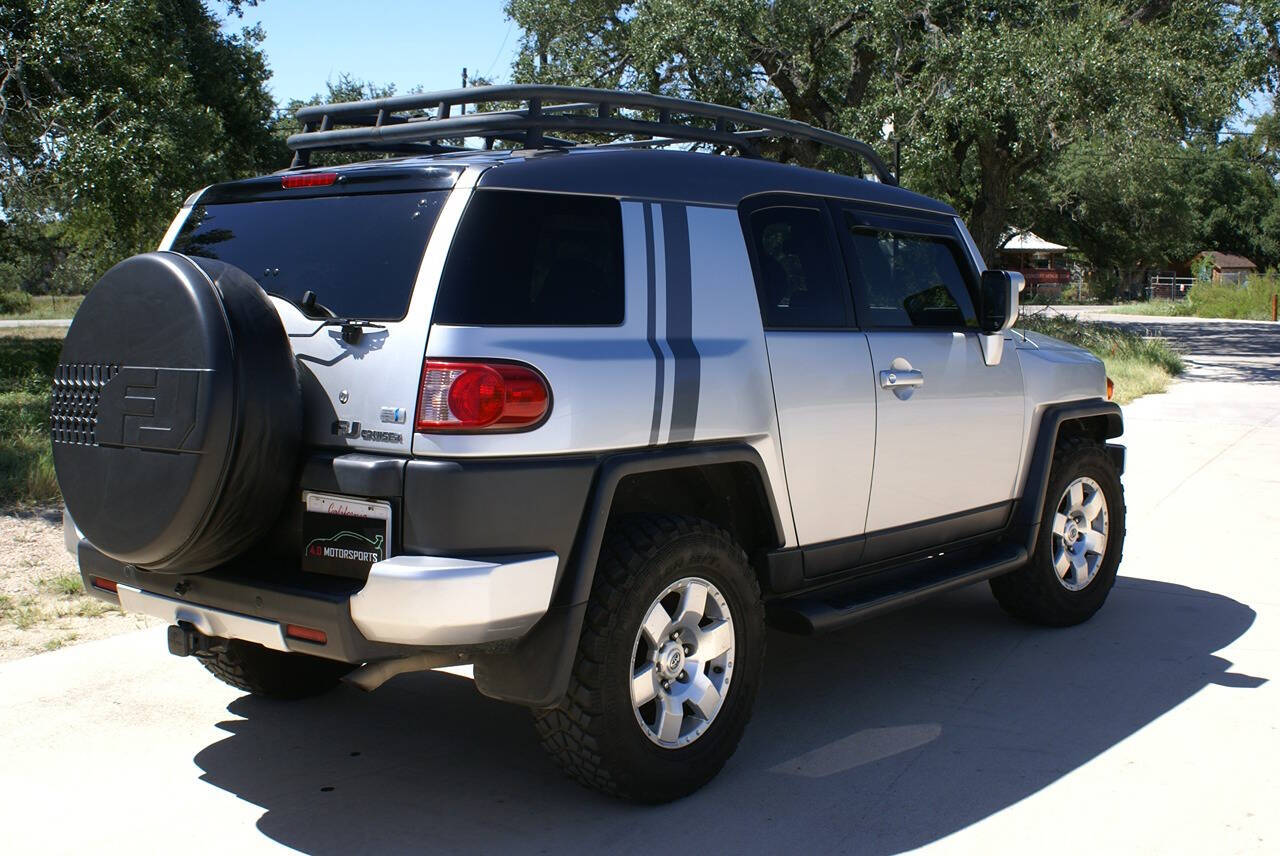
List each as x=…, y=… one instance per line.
x=695, y=177
x=660, y=174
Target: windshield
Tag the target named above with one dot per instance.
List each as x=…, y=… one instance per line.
x=360, y=254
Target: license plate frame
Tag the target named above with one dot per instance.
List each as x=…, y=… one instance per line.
x=344, y=535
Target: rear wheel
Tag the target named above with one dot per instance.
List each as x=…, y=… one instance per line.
x=1078, y=547
x=668, y=662
x=274, y=674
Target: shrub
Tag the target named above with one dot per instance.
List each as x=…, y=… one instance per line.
x=1227, y=300
x=14, y=302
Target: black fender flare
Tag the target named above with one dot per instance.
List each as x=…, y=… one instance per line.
x=535, y=672
x=1024, y=522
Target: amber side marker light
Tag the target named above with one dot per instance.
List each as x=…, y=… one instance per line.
x=1111, y=389
x=305, y=634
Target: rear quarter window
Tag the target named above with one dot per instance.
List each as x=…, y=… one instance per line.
x=534, y=259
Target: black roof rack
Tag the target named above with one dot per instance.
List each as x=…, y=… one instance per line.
x=419, y=123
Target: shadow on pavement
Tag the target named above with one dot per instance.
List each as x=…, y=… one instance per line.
x=880, y=738
x=1226, y=340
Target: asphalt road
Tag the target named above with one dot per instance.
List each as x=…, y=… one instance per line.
x=947, y=726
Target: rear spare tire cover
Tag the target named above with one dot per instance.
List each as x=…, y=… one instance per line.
x=176, y=413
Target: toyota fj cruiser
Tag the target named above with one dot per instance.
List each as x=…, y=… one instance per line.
x=584, y=416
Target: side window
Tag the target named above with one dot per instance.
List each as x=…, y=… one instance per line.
x=534, y=259
x=799, y=282
x=908, y=280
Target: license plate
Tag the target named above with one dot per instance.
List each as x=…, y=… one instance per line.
x=342, y=535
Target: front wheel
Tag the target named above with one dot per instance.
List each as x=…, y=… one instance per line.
x=1078, y=547
x=668, y=662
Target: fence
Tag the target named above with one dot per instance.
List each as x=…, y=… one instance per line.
x=1168, y=286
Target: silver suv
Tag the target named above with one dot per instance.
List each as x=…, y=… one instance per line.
x=584, y=416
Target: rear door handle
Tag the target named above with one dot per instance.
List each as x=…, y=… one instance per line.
x=901, y=378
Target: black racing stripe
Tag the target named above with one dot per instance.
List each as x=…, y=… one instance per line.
x=659, y=371
x=688, y=369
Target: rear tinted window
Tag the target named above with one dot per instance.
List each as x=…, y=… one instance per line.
x=534, y=259
x=359, y=254
x=799, y=283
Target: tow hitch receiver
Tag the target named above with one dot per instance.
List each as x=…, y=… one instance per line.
x=186, y=641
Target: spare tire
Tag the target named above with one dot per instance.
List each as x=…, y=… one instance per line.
x=177, y=413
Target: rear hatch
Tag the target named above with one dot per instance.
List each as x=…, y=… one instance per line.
x=355, y=241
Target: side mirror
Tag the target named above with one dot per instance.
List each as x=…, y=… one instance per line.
x=998, y=300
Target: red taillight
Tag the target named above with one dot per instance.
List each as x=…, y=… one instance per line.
x=306, y=634
x=308, y=179
x=104, y=584
x=466, y=396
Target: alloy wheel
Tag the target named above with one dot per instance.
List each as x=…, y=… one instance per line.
x=1079, y=533
x=682, y=662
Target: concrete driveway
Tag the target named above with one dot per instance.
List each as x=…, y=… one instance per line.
x=1151, y=729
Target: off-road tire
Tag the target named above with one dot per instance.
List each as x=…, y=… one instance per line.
x=1033, y=593
x=274, y=674
x=593, y=734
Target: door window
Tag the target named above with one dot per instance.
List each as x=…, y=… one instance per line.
x=908, y=280
x=799, y=282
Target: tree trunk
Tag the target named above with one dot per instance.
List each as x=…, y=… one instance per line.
x=989, y=218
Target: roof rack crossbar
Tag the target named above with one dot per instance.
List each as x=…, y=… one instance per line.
x=559, y=109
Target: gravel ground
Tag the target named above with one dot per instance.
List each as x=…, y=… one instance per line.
x=42, y=603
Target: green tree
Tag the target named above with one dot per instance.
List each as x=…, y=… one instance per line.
x=345, y=88
x=986, y=96
x=1123, y=202
x=110, y=113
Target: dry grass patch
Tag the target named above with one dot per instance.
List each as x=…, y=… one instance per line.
x=43, y=605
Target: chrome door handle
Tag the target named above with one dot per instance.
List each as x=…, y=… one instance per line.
x=901, y=378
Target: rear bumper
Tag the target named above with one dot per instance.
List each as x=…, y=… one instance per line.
x=433, y=600
x=408, y=603
x=211, y=622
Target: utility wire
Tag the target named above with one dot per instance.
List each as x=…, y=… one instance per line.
x=498, y=55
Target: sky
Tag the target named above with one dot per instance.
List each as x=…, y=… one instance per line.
x=425, y=43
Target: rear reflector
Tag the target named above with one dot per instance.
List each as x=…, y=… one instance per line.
x=474, y=396
x=103, y=584
x=308, y=179
x=306, y=634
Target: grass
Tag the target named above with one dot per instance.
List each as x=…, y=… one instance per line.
x=26, y=457
x=26, y=614
x=45, y=306
x=1137, y=365
x=1251, y=301
x=1163, y=308
x=59, y=641
x=67, y=585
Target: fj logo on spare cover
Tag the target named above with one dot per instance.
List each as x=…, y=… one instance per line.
x=149, y=408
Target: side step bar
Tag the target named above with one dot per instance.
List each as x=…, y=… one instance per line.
x=820, y=612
